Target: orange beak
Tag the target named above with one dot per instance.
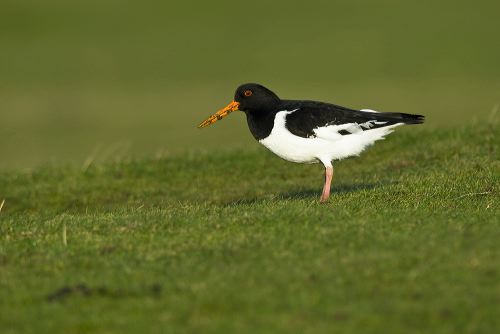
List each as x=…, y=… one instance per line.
x=233, y=106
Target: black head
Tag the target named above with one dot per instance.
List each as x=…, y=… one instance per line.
x=254, y=98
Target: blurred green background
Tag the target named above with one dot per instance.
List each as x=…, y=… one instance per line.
x=92, y=80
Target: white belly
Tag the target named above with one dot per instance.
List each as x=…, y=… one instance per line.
x=328, y=144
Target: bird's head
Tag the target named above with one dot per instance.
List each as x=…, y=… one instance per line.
x=249, y=98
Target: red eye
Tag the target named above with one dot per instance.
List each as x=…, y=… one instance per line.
x=248, y=93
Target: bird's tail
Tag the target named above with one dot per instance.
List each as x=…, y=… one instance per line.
x=402, y=118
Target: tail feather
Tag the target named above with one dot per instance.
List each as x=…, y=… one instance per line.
x=402, y=118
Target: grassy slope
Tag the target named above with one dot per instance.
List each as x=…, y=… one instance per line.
x=237, y=241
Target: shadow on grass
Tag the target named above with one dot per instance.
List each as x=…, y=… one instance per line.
x=312, y=194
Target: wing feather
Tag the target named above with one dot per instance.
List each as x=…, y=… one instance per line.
x=313, y=119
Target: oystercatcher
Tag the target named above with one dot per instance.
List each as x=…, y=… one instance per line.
x=309, y=131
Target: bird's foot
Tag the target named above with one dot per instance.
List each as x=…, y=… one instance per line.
x=324, y=199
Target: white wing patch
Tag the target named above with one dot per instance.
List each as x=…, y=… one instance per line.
x=334, y=131
x=371, y=124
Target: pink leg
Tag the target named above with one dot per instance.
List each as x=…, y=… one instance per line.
x=328, y=181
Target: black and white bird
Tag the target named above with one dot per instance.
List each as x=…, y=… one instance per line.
x=309, y=131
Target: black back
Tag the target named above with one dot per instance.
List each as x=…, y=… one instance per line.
x=312, y=115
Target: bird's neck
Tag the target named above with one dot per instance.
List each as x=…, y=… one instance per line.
x=261, y=123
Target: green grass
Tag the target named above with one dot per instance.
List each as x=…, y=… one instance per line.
x=236, y=241
x=99, y=98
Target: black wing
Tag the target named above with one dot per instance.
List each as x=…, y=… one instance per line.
x=312, y=115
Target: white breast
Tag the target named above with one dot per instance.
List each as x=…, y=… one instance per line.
x=326, y=146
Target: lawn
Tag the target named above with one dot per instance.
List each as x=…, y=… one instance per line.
x=235, y=240
x=117, y=215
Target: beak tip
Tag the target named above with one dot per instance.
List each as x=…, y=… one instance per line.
x=233, y=106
